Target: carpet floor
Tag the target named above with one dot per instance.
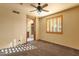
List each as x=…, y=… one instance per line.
x=40, y=48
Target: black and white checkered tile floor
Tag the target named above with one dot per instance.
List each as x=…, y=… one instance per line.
x=18, y=48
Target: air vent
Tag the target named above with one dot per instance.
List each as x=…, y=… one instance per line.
x=17, y=12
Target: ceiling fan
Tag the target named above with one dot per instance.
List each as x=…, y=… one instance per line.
x=39, y=8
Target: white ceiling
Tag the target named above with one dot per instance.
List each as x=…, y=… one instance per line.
x=52, y=7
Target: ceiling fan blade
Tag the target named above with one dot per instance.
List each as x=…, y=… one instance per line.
x=45, y=10
x=33, y=5
x=45, y=5
x=32, y=10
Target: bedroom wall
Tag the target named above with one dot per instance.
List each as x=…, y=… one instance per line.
x=37, y=28
x=12, y=25
x=70, y=36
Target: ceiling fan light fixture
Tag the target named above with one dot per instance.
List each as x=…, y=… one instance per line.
x=39, y=12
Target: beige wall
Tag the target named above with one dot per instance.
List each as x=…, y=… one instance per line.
x=12, y=26
x=37, y=28
x=70, y=36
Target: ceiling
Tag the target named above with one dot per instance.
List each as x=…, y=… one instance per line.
x=52, y=7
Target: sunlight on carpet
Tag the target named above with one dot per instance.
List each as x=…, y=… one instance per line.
x=19, y=48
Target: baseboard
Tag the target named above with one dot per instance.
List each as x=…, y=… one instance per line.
x=57, y=44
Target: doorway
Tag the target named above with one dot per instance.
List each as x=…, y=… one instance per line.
x=30, y=30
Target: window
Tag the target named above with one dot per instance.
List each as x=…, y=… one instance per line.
x=55, y=24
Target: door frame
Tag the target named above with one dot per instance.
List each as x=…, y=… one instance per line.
x=34, y=20
x=34, y=29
